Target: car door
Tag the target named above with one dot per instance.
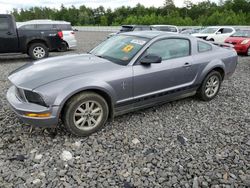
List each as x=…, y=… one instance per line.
x=223, y=35
x=174, y=73
x=8, y=36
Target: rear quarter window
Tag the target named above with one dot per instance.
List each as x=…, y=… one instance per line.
x=4, y=25
x=64, y=27
x=44, y=26
x=28, y=27
x=203, y=47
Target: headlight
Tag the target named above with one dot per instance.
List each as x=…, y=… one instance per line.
x=33, y=97
x=245, y=41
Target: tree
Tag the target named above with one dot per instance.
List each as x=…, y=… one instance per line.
x=226, y=12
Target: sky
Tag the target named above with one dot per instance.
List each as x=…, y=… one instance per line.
x=8, y=5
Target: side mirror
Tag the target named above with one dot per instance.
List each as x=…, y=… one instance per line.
x=150, y=58
x=218, y=33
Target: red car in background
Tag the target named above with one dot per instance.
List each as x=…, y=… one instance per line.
x=241, y=41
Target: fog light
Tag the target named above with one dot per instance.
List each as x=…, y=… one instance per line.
x=38, y=115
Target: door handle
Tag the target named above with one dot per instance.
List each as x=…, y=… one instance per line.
x=187, y=65
x=9, y=33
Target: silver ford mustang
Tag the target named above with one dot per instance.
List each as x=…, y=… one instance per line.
x=127, y=72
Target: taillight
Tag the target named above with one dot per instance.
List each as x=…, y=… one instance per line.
x=60, y=34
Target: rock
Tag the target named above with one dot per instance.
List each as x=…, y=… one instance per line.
x=38, y=157
x=18, y=158
x=205, y=184
x=135, y=141
x=195, y=183
x=125, y=174
x=232, y=176
x=146, y=170
x=36, y=181
x=174, y=180
x=33, y=151
x=225, y=176
x=182, y=139
x=248, y=143
x=77, y=145
x=66, y=155
x=62, y=172
x=41, y=175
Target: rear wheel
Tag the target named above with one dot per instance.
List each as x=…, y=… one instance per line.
x=63, y=47
x=38, y=51
x=85, y=113
x=210, y=86
x=248, y=52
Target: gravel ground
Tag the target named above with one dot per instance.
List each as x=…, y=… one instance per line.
x=187, y=143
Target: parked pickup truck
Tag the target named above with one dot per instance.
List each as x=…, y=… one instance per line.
x=35, y=43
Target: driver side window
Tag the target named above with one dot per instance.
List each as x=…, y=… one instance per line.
x=170, y=48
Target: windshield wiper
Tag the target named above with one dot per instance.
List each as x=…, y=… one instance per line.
x=101, y=56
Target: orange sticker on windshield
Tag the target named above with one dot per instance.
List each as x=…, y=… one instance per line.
x=128, y=48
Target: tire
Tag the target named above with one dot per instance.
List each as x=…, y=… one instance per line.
x=207, y=90
x=38, y=51
x=248, y=52
x=63, y=47
x=80, y=114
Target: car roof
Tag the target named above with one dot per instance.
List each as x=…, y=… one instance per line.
x=152, y=34
x=37, y=22
x=219, y=27
x=163, y=25
x=135, y=26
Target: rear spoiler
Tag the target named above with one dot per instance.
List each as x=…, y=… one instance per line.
x=223, y=45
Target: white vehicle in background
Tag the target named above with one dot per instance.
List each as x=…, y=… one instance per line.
x=66, y=28
x=215, y=34
x=166, y=28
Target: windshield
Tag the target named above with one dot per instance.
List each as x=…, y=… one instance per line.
x=242, y=33
x=209, y=30
x=120, y=49
x=126, y=28
x=166, y=28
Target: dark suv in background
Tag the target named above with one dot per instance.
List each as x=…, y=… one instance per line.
x=35, y=43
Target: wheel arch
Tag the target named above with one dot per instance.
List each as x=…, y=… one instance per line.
x=220, y=70
x=36, y=41
x=107, y=97
x=216, y=65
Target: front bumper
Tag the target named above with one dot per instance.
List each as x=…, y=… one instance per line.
x=21, y=108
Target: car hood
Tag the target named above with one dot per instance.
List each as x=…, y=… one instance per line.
x=236, y=40
x=31, y=76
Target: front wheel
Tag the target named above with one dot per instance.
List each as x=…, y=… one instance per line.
x=210, y=86
x=85, y=113
x=248, y=52
x=38, y=51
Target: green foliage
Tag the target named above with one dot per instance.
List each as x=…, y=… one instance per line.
x=226, y=12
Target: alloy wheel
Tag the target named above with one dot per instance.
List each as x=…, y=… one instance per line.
x=39, y=52
x=88, y=115
x=212, y=86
